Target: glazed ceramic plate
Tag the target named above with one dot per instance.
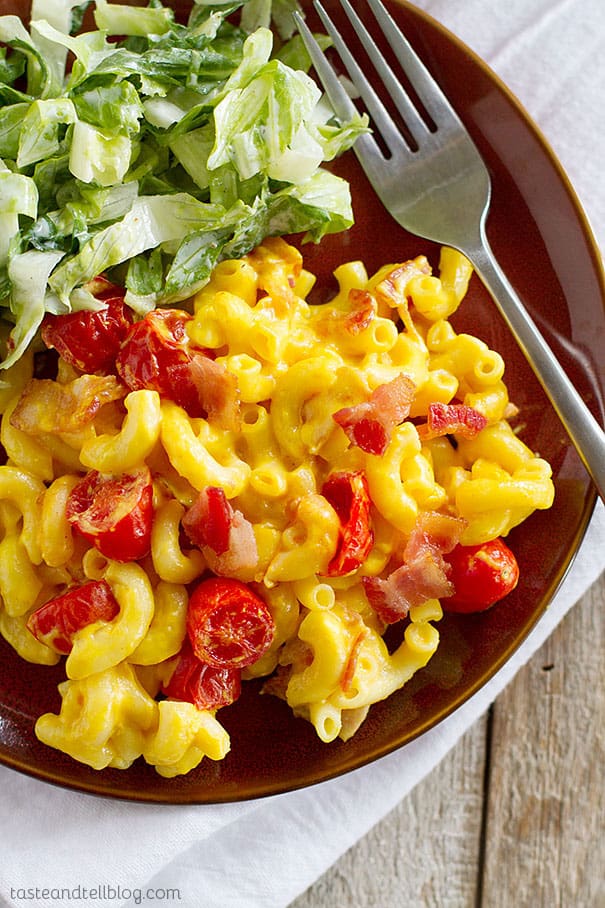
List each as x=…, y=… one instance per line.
x=543, y=242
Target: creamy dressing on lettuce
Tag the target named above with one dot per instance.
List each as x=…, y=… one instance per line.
x=154, y=155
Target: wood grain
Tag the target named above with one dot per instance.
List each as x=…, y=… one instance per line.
x=423, y=855
x=542, y=807
x=546, y=803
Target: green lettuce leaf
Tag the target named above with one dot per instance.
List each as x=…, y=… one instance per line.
x=116, y=19
x=157, y=154
x=18, y=196
x=28, y=274
x=151, y=221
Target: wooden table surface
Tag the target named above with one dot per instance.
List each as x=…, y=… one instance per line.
x=514, y=816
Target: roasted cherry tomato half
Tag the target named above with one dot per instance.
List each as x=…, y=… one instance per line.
x=56, y=622
x=481, y=575
x=349, y=495
x=206, y=686
x=158, y=355
x=115, y=514
x=228, y=624
x=90, y=341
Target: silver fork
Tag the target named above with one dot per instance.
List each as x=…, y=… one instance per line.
x=446, y=174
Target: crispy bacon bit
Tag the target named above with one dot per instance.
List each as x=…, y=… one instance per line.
x=47, y=407
x=217, y=388
x=434, y=533
x=348, y=673
x=452, y=419
x=363, y=311
x=424, y=572
x=278, y=265
x=353, y=318
x=208, y=520
x=225, y=536
x=392, y=289
x=369, y=424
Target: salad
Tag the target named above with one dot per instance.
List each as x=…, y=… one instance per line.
x=150, y=150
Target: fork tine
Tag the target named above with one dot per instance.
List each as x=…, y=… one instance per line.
x=401, y=99
x=435, y=102
x=338, y=97
x=378, y=112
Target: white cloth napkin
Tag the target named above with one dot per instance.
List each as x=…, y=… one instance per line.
x=62, y=848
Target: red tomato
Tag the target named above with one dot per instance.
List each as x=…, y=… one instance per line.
x=88, y=340
x=481, y=575
x=228, y=625
x=56, y=622
x=204, y=685
x=349, y=495
x=114, y=514
x=157, y=354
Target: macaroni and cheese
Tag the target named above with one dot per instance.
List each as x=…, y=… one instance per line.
x=257, y=491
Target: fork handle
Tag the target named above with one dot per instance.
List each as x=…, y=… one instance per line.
x=583, y=429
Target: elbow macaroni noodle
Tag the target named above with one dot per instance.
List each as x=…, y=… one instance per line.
x=295, y=364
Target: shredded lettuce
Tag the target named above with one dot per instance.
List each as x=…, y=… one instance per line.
x=18, y=195
x=28, y=273
x=116, y=19
x=160, y=150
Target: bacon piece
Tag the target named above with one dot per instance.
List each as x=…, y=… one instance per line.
x=208, y=520
x=452, y=419
x=217, y=389
x=363, y=311
x=409, y=585
x=370, y=423
x=225, y=536
x=391, y=290
x=346, y=679
x=241, y=558
x=434, y=532
x=278, y=265
x=424, y=572
x=357, y=318
x=48, y=407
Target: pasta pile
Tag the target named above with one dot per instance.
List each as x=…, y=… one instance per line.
x=322, y=445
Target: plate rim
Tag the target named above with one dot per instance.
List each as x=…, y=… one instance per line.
x=170, y=794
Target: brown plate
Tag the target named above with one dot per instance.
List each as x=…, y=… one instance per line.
x=542, y=239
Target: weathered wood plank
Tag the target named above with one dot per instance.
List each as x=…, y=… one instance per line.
x=545, y=840
x=424, y=854
x=545, y=843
